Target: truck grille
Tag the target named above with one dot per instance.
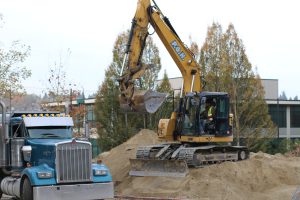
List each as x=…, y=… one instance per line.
x=73, y=162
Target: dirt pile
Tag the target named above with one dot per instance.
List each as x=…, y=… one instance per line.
x=263, y=176
x=117, y=159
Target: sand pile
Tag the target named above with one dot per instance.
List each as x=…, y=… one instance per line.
x=263, y=176
x=117, y=159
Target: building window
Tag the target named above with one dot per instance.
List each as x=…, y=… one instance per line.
x=90, y=113
x=295, y=116
x=278, y=115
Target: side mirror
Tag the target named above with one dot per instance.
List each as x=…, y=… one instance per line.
x=26, y=153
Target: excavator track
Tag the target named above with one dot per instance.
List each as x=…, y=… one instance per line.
x=173, y=159
x=206, y=155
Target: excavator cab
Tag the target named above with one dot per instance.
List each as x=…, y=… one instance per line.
x=197, y=119
x=219, y=123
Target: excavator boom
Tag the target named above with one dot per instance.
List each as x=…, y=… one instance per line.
x=131, y=98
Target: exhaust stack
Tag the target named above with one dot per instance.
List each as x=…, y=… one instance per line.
x=3, y=135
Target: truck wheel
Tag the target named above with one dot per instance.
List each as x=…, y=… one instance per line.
x=26, y=192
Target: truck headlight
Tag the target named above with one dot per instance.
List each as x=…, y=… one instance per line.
x=44, y=174
x=100, y=172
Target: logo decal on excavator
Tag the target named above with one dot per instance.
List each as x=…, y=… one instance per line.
x=178, y=50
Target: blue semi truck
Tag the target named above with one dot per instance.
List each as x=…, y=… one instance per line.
x=39, y=159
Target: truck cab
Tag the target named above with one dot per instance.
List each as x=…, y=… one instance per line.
x=41, y=160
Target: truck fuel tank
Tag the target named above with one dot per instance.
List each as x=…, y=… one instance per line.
x=16, y=154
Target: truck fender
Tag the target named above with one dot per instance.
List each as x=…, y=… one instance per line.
x=32, y=174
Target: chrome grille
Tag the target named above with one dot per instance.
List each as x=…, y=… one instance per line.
x=73, y=162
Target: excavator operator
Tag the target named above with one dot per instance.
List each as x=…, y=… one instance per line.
x=207, y=116
x=211, y=109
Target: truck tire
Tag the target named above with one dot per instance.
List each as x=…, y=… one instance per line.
x=26, y=190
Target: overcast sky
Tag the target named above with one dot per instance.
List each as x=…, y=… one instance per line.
x=269, y=29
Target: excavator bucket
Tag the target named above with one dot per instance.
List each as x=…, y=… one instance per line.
x=173, y=168
x=144, y=101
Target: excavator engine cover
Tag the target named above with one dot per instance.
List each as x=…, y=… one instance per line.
x=151, y=167
x=144, y=101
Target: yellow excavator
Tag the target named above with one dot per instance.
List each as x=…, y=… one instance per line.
x=192, y=138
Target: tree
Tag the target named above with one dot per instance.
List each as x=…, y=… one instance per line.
x=283, y=96
x=211, y=58
x=114, y=127
x=167, y=108
x=12, y=73
x=58, y=87
x=152, y=59
x=226, y=68
x=296, y=98
x=110, y=128
x=107, y=110
x=194, y=47
x=165, y=85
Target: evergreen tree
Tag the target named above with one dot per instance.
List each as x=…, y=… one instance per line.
x=113, y=128
x=165, y=85
x=211, y=58
x=296, y=98
x=226, y=68
x=167, y=108
x=283, y=96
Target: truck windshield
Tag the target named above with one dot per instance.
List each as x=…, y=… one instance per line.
x=50, y=132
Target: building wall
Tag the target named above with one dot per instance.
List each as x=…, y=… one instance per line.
x=270, y=86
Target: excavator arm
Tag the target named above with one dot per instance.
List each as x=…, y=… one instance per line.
x=133, y=68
